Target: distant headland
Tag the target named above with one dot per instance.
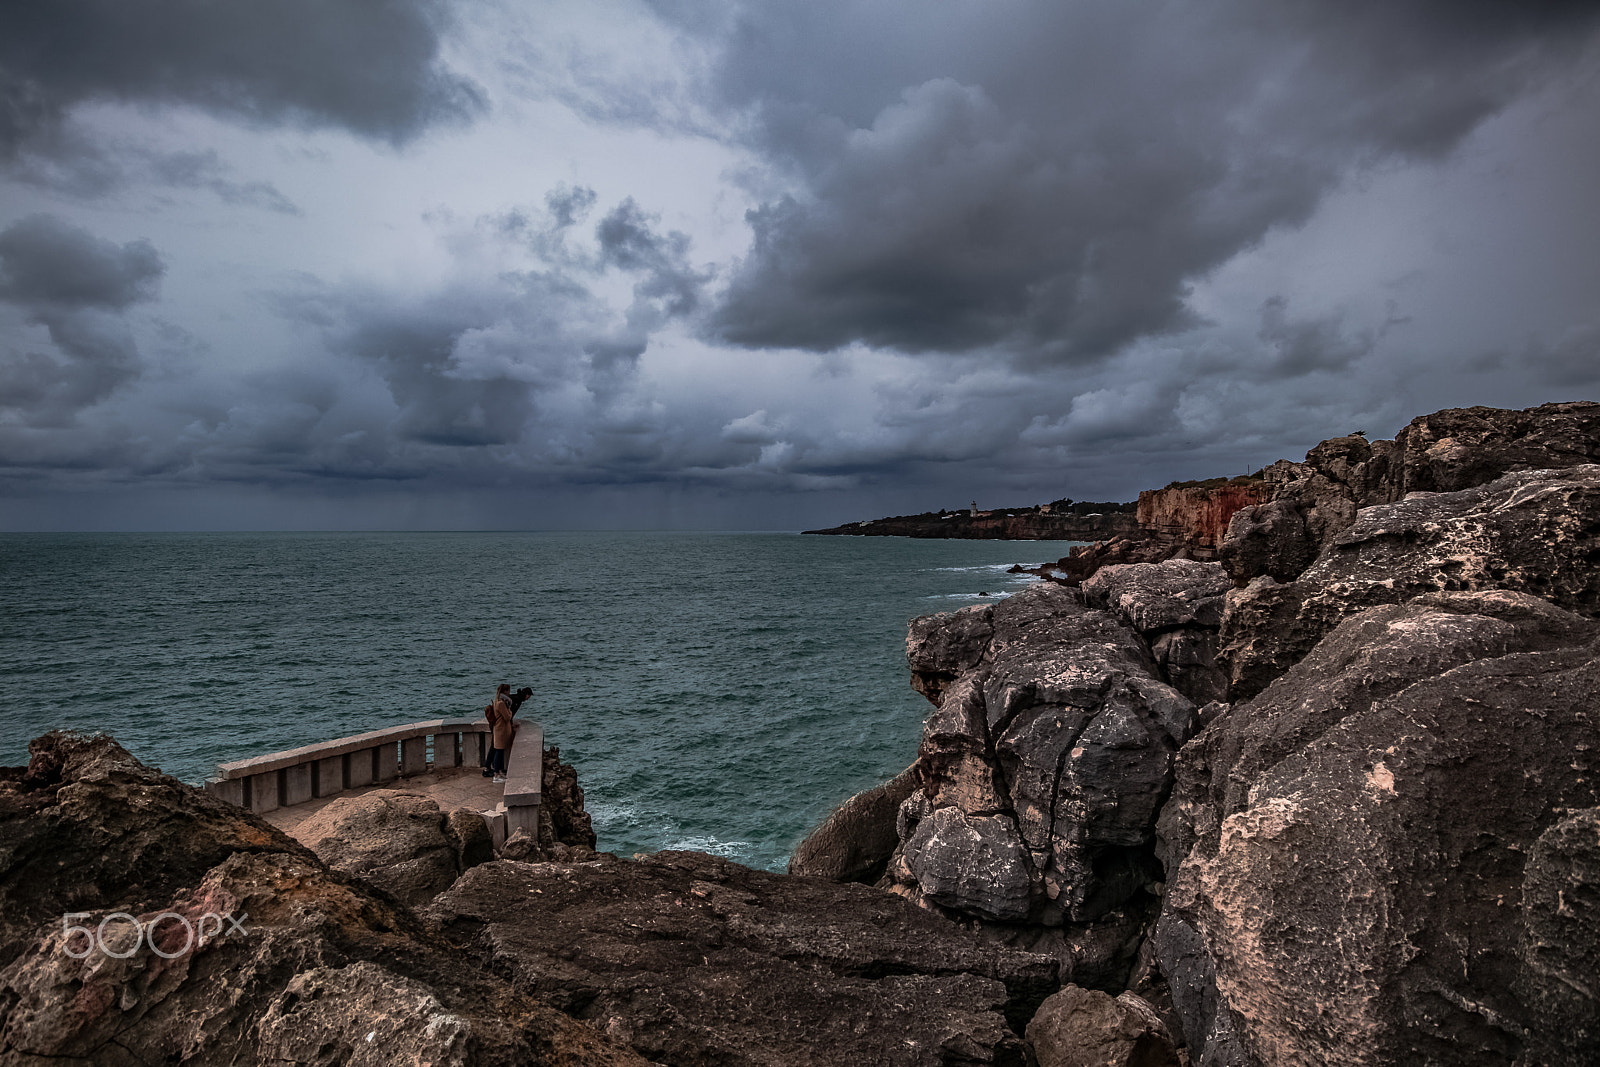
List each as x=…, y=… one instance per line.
x=1060, y=520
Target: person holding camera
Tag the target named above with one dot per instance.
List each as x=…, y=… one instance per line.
x=502, y=723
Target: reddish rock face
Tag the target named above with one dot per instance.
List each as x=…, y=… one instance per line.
x=1198, y=515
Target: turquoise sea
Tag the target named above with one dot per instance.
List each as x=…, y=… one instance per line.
x=716, y=691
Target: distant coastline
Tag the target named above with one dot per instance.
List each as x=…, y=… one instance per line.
x=1060, y=521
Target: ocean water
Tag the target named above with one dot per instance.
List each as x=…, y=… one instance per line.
x=715, y=691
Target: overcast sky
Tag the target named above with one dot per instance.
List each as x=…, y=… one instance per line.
x=764, y=264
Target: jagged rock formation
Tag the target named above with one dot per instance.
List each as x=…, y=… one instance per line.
x=1042, y=771
x=1451, y=450
x=687, y=957
x=397, y=840
x=325, y=970
x=1384, y=844
x=1347, y=852
x=1537, y=531
x=563, y=821
x=694, y=960
x=1177, y=608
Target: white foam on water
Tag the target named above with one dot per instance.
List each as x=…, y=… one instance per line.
x=711, y=846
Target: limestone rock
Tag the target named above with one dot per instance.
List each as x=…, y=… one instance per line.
x=1177, y=606
x=1156, y=597
x=1447, y=451
x=1042, y=770
x=393, y=838
x=1347, y=852
x=1533, y=531
x=77, y=830
x=855, y=841
x=317, y=961
x=693, y=959
x=1086, y=1028
x=1560, y=949
x=1198, y=515
x=941, y=647
x=974, y=864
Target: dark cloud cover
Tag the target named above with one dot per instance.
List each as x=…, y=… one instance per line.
x=1015, y=250
x=1050, y=178
x=370, y=66
x=45, y=262
x=75, y=285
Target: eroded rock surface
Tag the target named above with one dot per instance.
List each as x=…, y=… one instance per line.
x=693, y=959
x=318, y=960
x=1347, y=852
x=1447, y=451
x=1042, y=770
x=1534, y=531
x=1177, y=607
x=856, y=840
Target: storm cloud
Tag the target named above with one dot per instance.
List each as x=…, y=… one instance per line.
x=1049, y=179
x=756, y=263
x=75, y=286
x=371, y=68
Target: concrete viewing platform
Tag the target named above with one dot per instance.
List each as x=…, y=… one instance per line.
x=437, y=757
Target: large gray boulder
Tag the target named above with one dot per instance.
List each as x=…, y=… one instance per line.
x=1042, y=770
x=1534, y=531
x=1348, y=854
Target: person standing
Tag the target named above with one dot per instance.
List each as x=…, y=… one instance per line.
x=502, y=727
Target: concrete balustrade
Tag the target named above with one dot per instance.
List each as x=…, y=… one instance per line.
x=296, y=775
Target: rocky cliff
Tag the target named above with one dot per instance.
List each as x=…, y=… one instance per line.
x=1332, y=800
x=1198, y=515
x=413, y=945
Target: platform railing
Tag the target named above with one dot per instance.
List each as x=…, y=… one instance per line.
x=298, y=775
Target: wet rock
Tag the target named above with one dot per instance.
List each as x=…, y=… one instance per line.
x=308, y=963
x=1533, y=531
x=1087, y=1028
x=855, y=841
x=693, y=959
x=1347, y=852
x=395, y=839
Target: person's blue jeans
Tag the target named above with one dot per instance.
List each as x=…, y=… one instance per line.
x=497, y=761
